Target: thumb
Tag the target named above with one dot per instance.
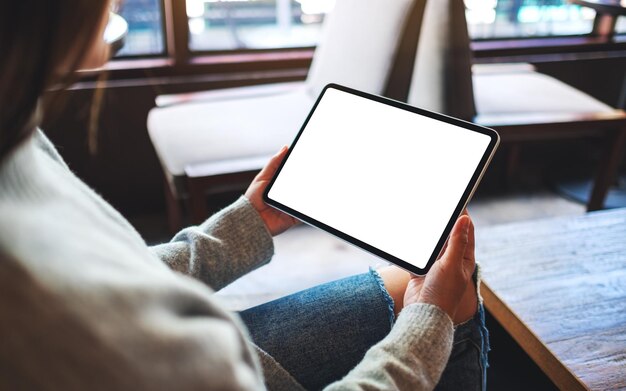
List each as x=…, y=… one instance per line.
x=458, y=242
x=469, y=259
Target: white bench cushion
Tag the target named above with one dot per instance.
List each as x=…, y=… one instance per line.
x=211, y=131
x=358, y=44
x=527, y=92
x=228, y=93
x=357, y=49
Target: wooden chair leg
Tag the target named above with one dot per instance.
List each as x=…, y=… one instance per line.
x=197, y=201
x=172, y=204
x=607, y=169
x=512, y=165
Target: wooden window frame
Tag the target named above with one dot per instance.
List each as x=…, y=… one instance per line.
x=178, y=60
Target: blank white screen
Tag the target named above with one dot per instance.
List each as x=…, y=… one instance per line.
x=383, y=175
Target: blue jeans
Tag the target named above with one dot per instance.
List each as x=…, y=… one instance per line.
x=320, y=334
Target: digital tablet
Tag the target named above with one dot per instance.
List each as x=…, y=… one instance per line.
x=386, y=177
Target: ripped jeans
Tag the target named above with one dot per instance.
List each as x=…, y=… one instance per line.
x=318, y=335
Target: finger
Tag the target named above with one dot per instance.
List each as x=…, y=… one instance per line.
x=270, y=168
x=469, y=259
x=445, y=245
x=458, y=241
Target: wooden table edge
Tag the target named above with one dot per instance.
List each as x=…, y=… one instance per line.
x=537, y=350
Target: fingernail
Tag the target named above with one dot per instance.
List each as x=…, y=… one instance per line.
x=281, y=151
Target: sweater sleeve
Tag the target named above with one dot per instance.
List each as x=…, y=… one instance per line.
x=228, y=245
x=412, y=357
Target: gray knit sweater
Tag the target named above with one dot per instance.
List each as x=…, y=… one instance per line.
x=85, y=304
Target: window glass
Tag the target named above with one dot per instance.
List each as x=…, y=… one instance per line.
x=145, y=27
x=620, y=26
x=267, y=24
x=255, y=24
x=526, y=18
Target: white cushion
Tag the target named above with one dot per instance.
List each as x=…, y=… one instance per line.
x=500, y=89
x=441, y=79
x=429, y=70
x=209, y=131
x=357, y=49
x=229, y=166
x=358, y=44
x=502, y=93
x=228, y=93
x=509, y=67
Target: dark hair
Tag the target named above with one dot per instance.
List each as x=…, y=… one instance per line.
x=42, y=44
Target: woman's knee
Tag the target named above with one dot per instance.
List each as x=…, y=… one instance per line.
x=395, y=280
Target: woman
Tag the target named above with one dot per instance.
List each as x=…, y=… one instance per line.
x=85, y=303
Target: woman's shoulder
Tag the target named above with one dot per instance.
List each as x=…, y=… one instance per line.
x=46, y=211
x=36, y=233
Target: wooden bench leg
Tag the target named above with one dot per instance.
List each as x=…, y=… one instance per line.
x=512, y=165
x=199, y=187
x=607, y=169
x=172, y=204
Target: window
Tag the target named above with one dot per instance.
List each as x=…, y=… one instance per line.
x=620, y=26
x=488, y=19
x=145, y=28
x=223, y=25
x=255, y=24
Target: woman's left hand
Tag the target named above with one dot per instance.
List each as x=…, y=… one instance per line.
x=276, y=221
x=449, y=283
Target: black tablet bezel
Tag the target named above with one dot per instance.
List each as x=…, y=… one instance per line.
x=467, y=194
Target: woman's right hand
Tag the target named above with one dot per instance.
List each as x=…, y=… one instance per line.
x=447, y=280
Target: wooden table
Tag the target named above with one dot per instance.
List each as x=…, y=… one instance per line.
x=558, y=287
x=607, y=12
